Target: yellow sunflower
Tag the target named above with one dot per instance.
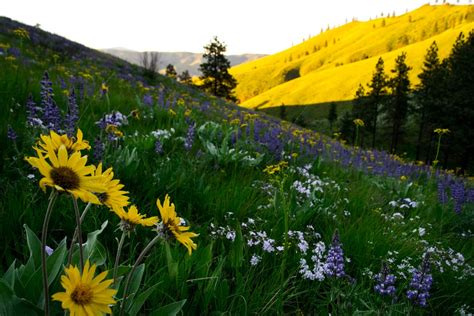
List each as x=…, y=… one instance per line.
x=132, y=218
x=85, y=294
x=171, y=225
x=113, y=197
x=55, y=140
x=68, y=173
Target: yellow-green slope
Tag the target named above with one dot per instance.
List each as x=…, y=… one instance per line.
x=316, y=72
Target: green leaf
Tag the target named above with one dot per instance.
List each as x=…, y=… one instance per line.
x=9, y=276
x=34, y=245
x=90, y=245
x=10, y=304
x=134, y=284
x=140, y=300
x=6, y=299
x=54, y=263
x=171, y=264
x=170, y=309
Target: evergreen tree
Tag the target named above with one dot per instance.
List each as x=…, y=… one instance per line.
x=215, y=75
x=376, y=96
x=347, y=127
x=185, y=78
x=397, y=108
x=171, y=71
x=461, y=97
x=429, y=95
x=332, y=115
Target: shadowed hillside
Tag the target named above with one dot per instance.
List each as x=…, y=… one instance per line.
x=329, y=67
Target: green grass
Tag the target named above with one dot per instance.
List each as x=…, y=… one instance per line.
x=313, y=73
x=226, y=190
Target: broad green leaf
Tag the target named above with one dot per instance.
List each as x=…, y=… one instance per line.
x=89, y=246
x=171, y=264
x=9, y=275
x=6, y=299
x=140, y=300
x=34, y=245
x=134, y=285
x=170, y=309
x=54, y=263
x=10, y=304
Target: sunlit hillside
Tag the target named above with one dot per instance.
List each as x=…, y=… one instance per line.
x=330, y=66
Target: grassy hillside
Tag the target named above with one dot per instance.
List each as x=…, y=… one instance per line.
x=330, y=66
x=289, y=221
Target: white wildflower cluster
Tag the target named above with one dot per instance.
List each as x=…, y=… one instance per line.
x=163, y=133
x=464, y=310
x=405, y=203
x=310, y=185
x=260, y=238
x=317, y=271
x=448, y=259
x=309, y=243
x=222, y=231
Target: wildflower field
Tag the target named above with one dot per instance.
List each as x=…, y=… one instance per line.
x=135, y=197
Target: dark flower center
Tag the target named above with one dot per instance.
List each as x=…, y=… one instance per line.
x=82, y=294
x=65, y=177
x=103, y=197
x=165, y=230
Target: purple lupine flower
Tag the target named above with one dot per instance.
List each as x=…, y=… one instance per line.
x=70, y=121
x=148, y=99
x=385, y=282
x=442, y=195
x=11, y=134
x=457, y=192
x=51, y=112
x=188, y=142
x=335, y=260
x=158, y=147
x=14, y=51
x=33, y=113
x=420, y=283
x=99, y=149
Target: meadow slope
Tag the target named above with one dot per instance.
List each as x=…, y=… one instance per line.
x=288, y=221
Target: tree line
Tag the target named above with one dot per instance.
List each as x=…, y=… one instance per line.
x=395, y=112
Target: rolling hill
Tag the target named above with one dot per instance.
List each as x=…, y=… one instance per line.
x=330, y=66
x=180, y=60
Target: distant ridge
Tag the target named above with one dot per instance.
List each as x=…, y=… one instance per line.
x=330, y=66
x=180, y=60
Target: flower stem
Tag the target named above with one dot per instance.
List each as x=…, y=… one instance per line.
x=117, y=257
x=129, y=276
x=435, y=162
x=79, y=232
x=74, y=237
x=44, y=268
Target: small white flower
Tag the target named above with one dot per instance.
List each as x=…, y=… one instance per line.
x=255, y=259
x=421, y=231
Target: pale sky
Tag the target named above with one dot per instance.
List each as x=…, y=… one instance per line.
x=246, y=26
